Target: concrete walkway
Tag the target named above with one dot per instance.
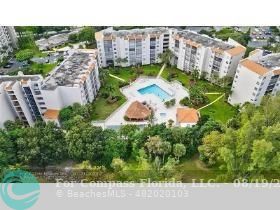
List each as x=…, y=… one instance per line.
x=118, y=78
x=215, y=93
x=217, y=99
x=161, y=70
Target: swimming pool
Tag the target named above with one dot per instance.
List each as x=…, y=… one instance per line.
x=156, y=90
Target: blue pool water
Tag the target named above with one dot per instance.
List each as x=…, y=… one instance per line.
x=156, y=90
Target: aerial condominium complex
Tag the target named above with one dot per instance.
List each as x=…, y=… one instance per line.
x=8, y=41
x=256, y=76
x=131, y=47
x=30, y=98
x=207, y=55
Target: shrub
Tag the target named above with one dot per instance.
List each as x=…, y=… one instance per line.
x=173, y=74
x=126, y=118
x=169, y=78
x=112, y=99
x=139, y=71
x=115, y=71
x=122, y=84
x=185, y=102
x=24, y=55
x=104, y=94
x=170, y=103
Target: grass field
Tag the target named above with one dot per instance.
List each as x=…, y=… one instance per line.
x=220, y=110
x=102, y=109
x=128, y=73
x=184, y=78
x=194, y=170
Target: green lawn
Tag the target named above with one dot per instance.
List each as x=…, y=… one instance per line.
x=194, y=170
x=220, y=110
x=125, y=73
x=102, y=109
x=151, y=70
x=43, y=69
x=184, y=78
x=129, y=73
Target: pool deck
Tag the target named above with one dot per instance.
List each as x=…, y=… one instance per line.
x=175, y=89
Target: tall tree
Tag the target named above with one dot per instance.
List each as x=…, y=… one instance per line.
x=85, y=142
x=166, y=57
x=179, y=150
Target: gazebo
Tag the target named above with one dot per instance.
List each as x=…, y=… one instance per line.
x=137, y=112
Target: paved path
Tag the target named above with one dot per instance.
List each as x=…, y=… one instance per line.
x=161, y=70
x=211, y=102
x=215, y=93
x=111, y=75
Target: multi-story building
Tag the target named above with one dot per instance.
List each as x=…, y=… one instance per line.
x=30, y=98
x=207, y=55
x=131, y=47
x=8, y=41
x=20, y=98
x=256, y=76
x=76, y=80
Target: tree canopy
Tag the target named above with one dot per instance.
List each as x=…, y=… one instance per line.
x=250, y=148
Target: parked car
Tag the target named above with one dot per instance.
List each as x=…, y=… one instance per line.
x=7, y=66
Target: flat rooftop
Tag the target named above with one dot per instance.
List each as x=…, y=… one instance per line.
x=204, y=40
x=72, y=70
x=19, y=78
x=270, y=61
x=137, y=31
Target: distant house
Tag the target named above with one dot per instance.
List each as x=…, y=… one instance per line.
x=187, y=117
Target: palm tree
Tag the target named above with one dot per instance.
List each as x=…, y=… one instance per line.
x=166, y=56
x=124, y=60
x=195, y=74
x=103, y=74
x=228, y=92
x=118, y=61
x=110, y=89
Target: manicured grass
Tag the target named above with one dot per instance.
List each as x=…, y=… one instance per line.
x=151, y=70
x=220, y=110
x=184, y=78
x=129, y=73
x=103, y=109
x=194, y=170
x=124, y=73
